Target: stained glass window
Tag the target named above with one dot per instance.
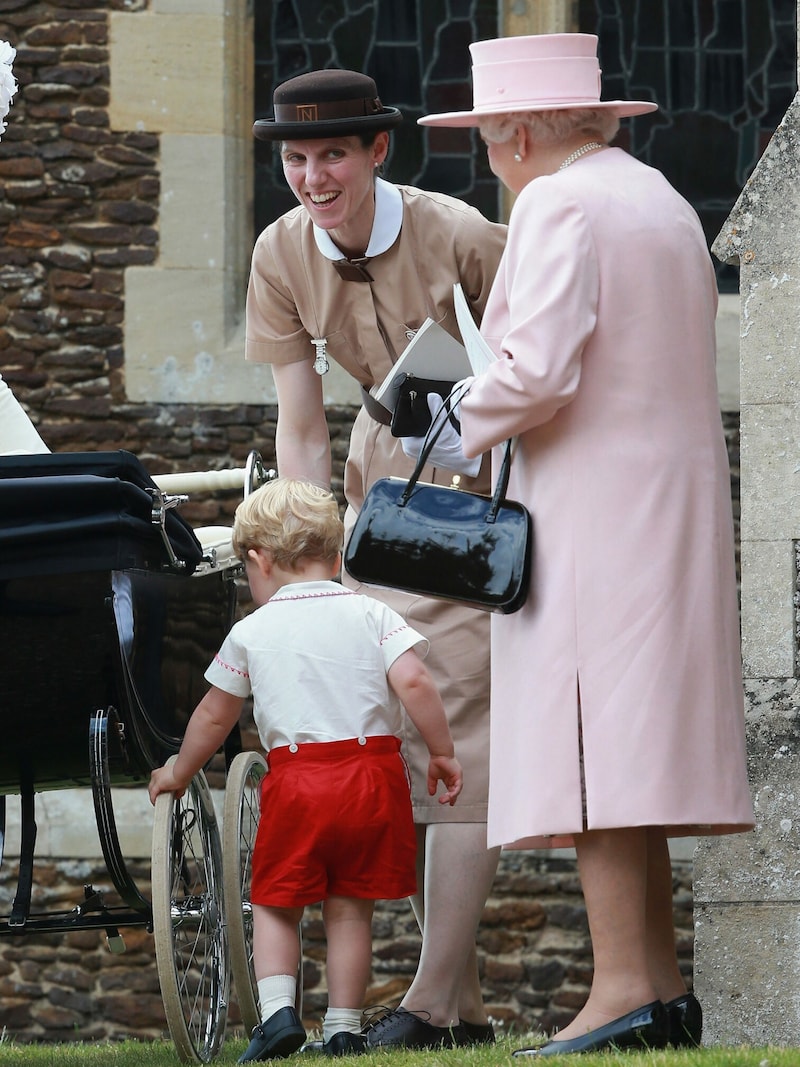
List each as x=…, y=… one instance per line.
x=723, y=73
x=418, y=53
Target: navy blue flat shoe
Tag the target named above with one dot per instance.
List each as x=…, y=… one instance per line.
x=646, y=1027
x=278, y=1037
x=685, y=1021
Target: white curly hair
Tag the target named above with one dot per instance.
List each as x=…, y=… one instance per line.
x=550, y=127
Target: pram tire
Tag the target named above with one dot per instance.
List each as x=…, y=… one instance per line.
x=239, y=828
x=189, y=921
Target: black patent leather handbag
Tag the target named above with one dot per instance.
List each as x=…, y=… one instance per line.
x=444, y=542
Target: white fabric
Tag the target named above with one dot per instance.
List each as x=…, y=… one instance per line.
x=341, y=1021
x=447, y=450
x=275, y=992
x=8, y=83
x=18, y=435
x=385, y=229
x=219, y=541
x=316, y=659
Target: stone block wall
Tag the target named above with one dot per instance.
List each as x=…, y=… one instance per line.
x=533, y=943
x=69, y=987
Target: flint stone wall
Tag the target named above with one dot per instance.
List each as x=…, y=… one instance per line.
x=534, y=952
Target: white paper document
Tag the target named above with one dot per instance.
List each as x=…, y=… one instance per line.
x=479, y=353
x=431, y=353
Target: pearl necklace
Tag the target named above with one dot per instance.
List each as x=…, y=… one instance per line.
x=590, y=147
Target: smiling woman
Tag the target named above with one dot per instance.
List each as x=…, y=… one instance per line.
x=349, y=276
x=334, y=180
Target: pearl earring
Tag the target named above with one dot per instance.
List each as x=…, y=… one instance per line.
x=517, y=157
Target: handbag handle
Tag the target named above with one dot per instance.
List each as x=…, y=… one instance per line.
x=498, y=496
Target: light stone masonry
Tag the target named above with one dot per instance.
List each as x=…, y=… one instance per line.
x=747, y=887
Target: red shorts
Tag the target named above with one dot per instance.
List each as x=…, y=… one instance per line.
x=336, y=820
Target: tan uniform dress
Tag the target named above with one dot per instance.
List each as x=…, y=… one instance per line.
x=295, y=293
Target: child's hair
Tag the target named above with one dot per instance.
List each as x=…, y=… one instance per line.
x=292, y=519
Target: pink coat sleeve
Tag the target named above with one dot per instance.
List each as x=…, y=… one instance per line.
x=540, y=313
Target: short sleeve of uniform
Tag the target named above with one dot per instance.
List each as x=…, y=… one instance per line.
x=228, y=670
x=395, y=635
x=274, y=332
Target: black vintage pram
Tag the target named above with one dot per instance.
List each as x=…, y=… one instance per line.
x=110, y=610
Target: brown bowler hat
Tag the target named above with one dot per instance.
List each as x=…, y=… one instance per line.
x=326, y=103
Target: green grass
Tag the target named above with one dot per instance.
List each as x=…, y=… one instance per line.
x=162, y=1054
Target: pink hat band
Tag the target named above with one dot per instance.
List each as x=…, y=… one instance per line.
x=511, y=83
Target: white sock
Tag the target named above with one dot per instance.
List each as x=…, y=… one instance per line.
x=276, y=992
x=341, y=1020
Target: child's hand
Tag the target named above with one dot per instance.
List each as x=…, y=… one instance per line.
x=162, y=780
x=445, y=769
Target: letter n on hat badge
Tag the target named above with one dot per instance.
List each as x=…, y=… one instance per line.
x=306, y=112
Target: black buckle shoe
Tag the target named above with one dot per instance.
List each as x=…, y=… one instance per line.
x=646, y=1027
x=278, y=1037
x=345, y=1044
x=408, y=1030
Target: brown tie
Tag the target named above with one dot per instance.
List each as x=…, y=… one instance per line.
x=353, y=270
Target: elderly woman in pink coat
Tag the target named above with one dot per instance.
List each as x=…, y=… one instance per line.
x=616, y=707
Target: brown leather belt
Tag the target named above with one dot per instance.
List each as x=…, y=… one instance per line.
x=375, y=409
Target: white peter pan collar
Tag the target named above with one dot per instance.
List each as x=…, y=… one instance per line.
x=385, y=227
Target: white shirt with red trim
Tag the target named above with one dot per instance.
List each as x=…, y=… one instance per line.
x=316, y=659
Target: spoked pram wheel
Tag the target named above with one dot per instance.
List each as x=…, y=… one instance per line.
x=188, y=921
x=239, y=829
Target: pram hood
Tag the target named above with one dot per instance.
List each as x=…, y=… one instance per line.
x=85, y=511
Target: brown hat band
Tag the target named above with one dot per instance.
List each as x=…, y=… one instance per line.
x=337, y=109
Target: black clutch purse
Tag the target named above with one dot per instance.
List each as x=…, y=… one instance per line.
x=411, y=416
x=444, y=542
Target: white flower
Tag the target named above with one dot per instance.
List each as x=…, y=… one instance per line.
x=8, y=84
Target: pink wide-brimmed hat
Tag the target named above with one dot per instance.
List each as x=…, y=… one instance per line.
x=543, y=72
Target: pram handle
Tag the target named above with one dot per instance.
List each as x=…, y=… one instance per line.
x=249, y=477
x=200, y=481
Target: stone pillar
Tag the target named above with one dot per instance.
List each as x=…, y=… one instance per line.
x=747, y=887
x=182, y=70
x=538, y=16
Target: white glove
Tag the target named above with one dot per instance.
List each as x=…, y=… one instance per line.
x=459, y=391
x=447, y=451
